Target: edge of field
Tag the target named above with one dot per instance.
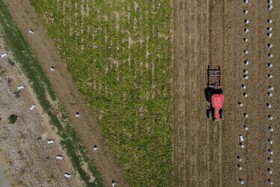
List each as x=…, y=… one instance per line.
x=43, y=90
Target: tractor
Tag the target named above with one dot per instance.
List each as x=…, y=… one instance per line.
x=214, y=94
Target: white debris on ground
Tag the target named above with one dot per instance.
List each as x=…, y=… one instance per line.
x=270, y=56
x=95, y=147
x=59, y=157
x=25, y=156
x=3, y=54
x=242, y=181
x=50, y=141
x=20, y=88
x=241, y=138
x=52, y=68
x=77, y=115
x=240, y=104
x=31, y=31
x=33, y=106
x=114, y=183
x=67, y=175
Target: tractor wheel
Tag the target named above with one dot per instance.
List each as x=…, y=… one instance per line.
x=209, y=114
x=222, y=115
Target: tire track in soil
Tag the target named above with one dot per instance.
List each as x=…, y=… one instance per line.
x=200, y=164
x=231, y=84
x=198, y=124
x=240, y=120
x=216, y=19
x=252, y=149
x=201, y=105
x=263, y=83
x=179, y=144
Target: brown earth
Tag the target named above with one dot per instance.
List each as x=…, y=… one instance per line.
x=44, y=48
x=211, y=32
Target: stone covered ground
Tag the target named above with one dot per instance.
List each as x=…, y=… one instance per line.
x=26, y=159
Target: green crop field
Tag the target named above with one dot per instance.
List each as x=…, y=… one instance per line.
x=25, y=59
x=119, y=54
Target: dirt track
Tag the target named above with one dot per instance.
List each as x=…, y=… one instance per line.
x=212, y=32
x=25, y=17
x=196, y=143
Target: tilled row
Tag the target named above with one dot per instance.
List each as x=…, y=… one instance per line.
x=245, y=94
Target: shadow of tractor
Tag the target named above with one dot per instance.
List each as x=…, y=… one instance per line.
x=208, y=92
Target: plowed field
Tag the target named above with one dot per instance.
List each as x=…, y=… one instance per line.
x=215, y=33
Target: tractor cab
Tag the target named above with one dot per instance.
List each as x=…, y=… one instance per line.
x=217, y=101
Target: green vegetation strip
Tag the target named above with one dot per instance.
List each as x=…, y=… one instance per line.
x=119, y=54
x=42, y=87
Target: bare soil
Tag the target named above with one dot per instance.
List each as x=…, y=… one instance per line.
x=25, y=157
x=25, y=17
x=212, y=32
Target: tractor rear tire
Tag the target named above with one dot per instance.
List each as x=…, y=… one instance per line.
x=222, y=115
x=209, y=114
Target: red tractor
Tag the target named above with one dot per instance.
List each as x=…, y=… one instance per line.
x=214, y=94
